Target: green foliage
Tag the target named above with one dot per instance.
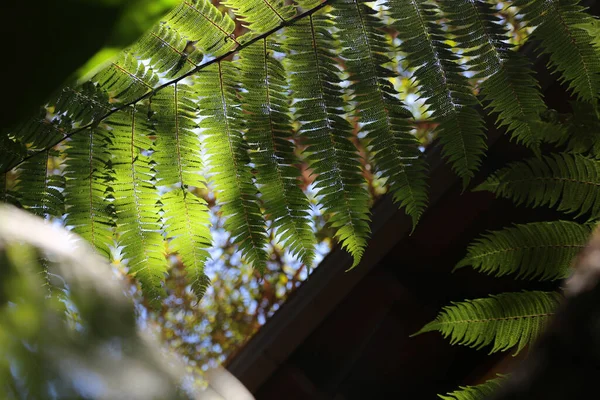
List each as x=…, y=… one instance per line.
x=446, y=90
x=385, y=119
x=185, y=217
x=332, y=155
x=286, y=102
x=136, y=201
x=538, y=250
x=572, y=54
x=228, y=157
x=271, y=149
x=477, y=392
x=509, y=89
x=503, y=321
x=566, y=181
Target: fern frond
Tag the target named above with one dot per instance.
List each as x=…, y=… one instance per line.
x=538, y=250
x=504, y=321
x=395, y=150
x=268, y=133
x=201, y=22
x=441, y=81
x=228, y=160
x=476, y=392
x=569, y=182
x=126, y=79
x=178, y=166
x=87, y=188
x=570, y=47
x=83, y=104
x=168, y=51
x=11, y=151
x=260, y=16
x=41, y=131
x=308, y=4
x=136, y=202
x=40, y=189
x=331, y=154
x=510, y=90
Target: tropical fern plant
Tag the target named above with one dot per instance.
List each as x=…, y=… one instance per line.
x=251, y=93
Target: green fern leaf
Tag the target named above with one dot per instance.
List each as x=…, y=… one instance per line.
x=261, y=15
x=228, y=160
x=40, y=188
x=504, y=321
x=477, y=392
x=510, y=90
x=442, y=83
x=87, y=188
x=168, y=51
x=136, y=202
x=538, y=250
x=566, y=181
x=11, y=152
x=571, y=49
x=331, y=154
x=201, y=22
x=396, y=152
x=178, y=166
x=126, y=79
x=308, y=4
x=271, y=151
x=82, y=104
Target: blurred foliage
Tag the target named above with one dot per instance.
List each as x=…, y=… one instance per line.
x=66, y=328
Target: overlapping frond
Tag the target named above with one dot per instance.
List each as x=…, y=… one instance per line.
x=168, y=51
x=559, y=31
x=319, y=108
x=441, y=81
x=88, y=179
x=569, y=182
x=503, y=321
x=178, y=166
x=228, y=159
x=126, y=79
x=201, y=22
x=40, y=189
x=384, y=118
x=538, y=250
x=136, y=201
x=510, y=90
x=261, y=15
x=271, y=151
x=476, y=392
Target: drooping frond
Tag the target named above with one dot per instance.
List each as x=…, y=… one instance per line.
x=538, y=250
x=504, y=321
x=572, y=54
x=569, y=182
x=579, y=133
x=509, y=90
x=396, y=152
x=126, y=79
x=136, y=201
x=228, y=160
x=178, y=166
x=12, y=151
x=40, y=189
x=87, y=188
x=201, y=22
x=319, y=109
x=441, y=81
x=268, y=133
x=262, y=15
x=477, y=392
